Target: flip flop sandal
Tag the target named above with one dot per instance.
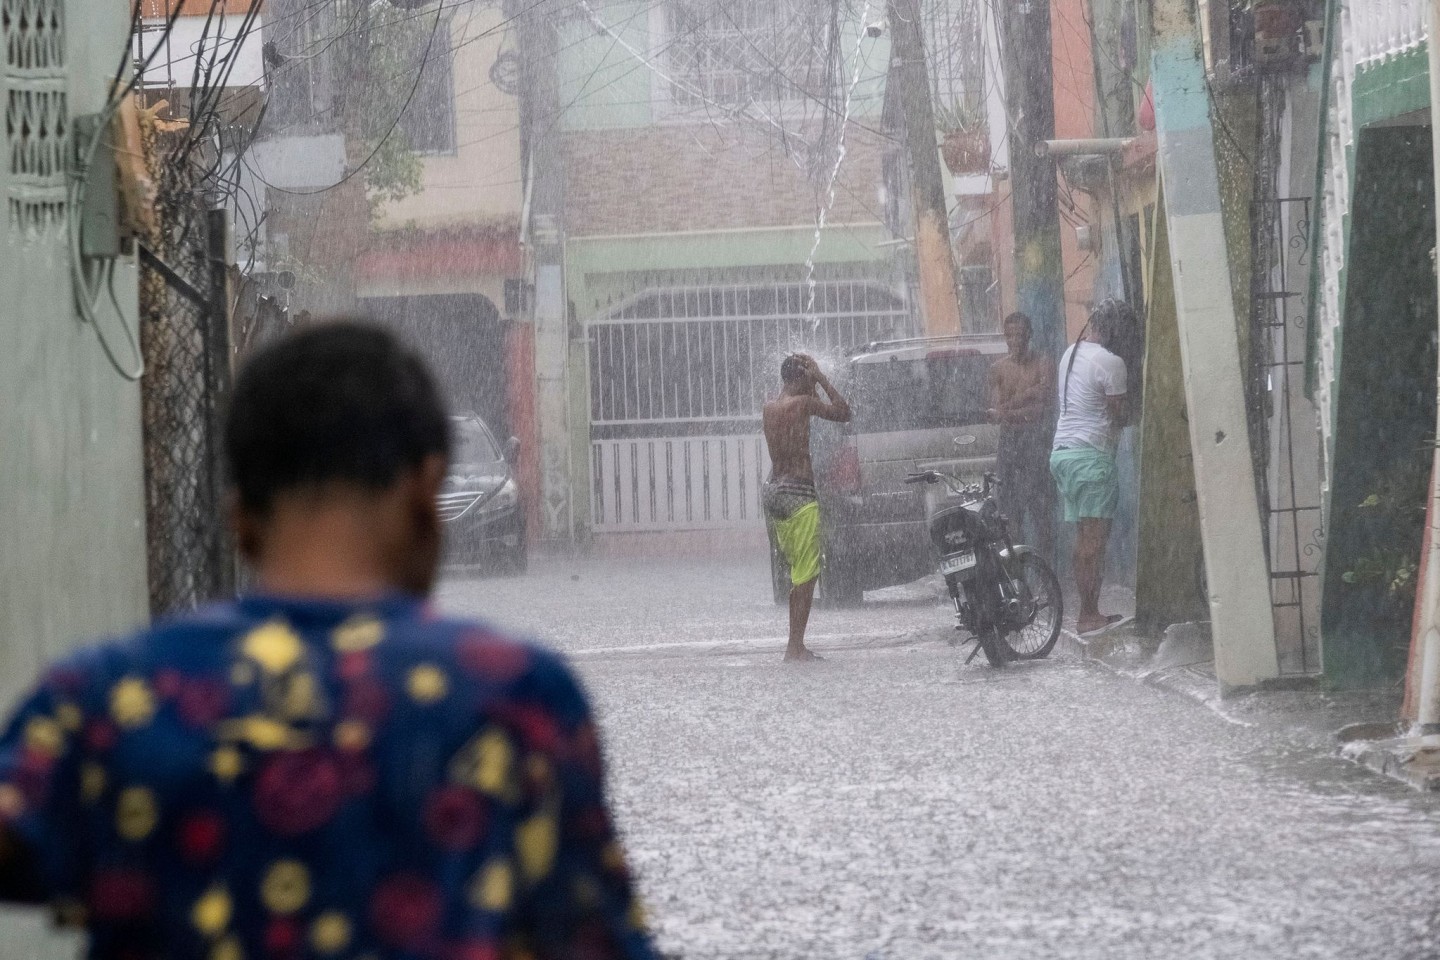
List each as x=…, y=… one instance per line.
x=1111, y=622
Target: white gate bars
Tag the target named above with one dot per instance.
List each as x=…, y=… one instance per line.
x=678, y=483
x=678, y=375
x=711, y=353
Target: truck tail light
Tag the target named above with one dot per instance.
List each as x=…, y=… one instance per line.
x=844, y=474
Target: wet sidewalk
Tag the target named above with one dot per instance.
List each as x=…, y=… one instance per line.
x=1359, y=725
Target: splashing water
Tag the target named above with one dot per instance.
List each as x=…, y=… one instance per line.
x=810, y=283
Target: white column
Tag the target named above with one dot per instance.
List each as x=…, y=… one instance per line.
x=1237, y=573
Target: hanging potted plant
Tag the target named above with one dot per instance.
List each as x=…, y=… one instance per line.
x=964, y=138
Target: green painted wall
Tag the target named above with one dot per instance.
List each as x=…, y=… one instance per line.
x=601, y=83
x=1166, y=585
x=600, y=269
x=1385, y=397
x=72, y=548
x=1385, y=90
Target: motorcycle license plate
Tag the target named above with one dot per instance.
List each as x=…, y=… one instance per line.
x=957, y=563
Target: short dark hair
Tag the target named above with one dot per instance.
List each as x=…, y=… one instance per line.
x=342, y=400
x=1018, y=317
x=792, y=369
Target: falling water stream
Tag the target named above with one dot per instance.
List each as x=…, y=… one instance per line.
x=834, y=174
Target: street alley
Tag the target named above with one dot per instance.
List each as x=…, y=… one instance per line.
x=893, y=803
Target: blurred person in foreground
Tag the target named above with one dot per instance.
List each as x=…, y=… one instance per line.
x=789, y=500
x=1094, y=408
x=323, y=767
x=1022, y=402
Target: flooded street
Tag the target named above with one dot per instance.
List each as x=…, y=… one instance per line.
x=892, y=803
x=1109, y=329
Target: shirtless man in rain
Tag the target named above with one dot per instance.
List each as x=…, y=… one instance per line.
x=789, y=498
x=1022, y=402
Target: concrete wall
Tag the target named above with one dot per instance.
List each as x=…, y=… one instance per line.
x=72, y=546
x=1168, y=581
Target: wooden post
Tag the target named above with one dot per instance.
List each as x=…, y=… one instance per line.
x=939, y=291
x=1238, y=576
x=1030, y=94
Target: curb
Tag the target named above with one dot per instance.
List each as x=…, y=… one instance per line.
x=1378, y=747
x=1396, y=757
x=820, y=643
x=1124, y=654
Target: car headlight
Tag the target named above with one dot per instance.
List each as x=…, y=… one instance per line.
x=504, y=499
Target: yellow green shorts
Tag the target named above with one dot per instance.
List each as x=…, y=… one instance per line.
x=799, y=538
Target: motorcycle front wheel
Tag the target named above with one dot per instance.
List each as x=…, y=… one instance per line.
x=997, y=652
x=1041, y=609
x=987, y=637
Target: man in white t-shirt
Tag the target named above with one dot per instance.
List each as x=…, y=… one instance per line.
x=1094, y=406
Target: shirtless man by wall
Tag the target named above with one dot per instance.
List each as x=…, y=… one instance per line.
x=789, y=499
x=1022, y=402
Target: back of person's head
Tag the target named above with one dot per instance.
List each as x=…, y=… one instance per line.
x=340, y=402
x=1113, y=322
x=793, y=369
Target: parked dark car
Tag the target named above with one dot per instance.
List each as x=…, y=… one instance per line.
x=480, y=503
x=910, y=398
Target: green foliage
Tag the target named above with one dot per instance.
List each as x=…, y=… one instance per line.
x=1397, y=503
x=377, y=62
x=962, y=116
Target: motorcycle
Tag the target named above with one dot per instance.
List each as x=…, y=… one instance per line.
x=1005, y=594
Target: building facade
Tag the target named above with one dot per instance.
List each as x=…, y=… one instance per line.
x=702, y=150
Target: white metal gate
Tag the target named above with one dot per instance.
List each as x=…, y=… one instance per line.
x=678, y=375
x=678, y=483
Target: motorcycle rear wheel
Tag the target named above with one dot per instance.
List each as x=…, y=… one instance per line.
x=1036, y=638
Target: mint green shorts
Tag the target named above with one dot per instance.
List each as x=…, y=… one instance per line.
x=1088, y=482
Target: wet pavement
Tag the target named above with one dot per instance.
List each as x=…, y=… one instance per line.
x=893, y=803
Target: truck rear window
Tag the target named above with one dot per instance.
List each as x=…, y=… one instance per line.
x=926, y=394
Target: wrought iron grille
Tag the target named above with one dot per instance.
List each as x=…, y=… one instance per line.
x=36, y=112
x=1283, y=422
x=955, y=41
x=735, y=52
x=709, y=353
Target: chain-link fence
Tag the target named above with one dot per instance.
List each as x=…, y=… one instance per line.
x=185, y=339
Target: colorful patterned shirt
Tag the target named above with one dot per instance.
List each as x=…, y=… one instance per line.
x=289, y=779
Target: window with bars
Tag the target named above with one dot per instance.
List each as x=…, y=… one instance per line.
x=734, y=52
x=429, y=121
x=301, y=90
x=955, y=46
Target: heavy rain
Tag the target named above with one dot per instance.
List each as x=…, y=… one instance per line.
x=719, y=479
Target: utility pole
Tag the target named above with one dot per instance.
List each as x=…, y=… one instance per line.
x=939, y=291
x=540, y=110
x=1030, y=98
